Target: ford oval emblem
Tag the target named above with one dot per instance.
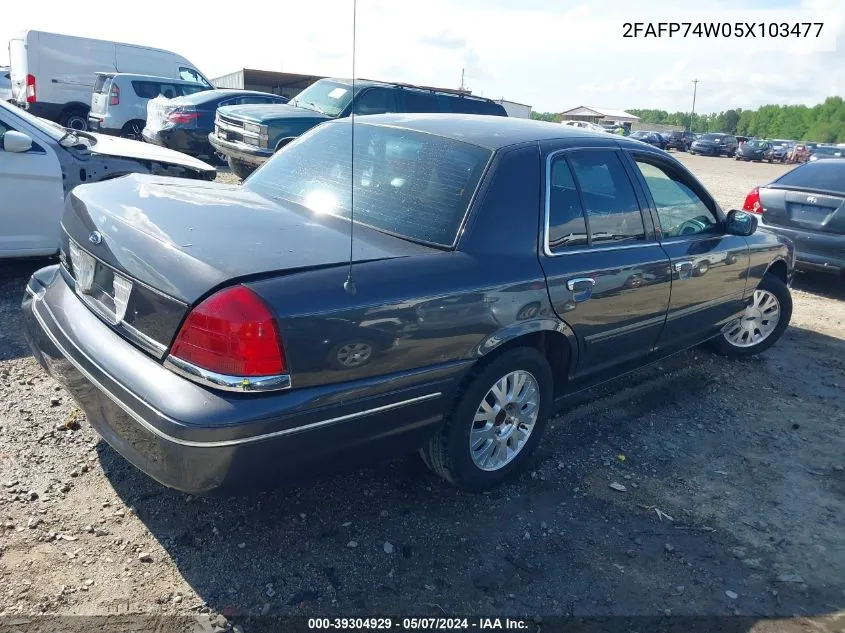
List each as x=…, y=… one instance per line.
x=95, y=238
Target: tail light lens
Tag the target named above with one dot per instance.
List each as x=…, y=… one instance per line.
x=114, y=95
x=231, y=333
x=752, y=202
x=30, y=89
x=182, y=116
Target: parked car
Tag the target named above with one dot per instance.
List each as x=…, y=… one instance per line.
x=652, y=138
x=184, y=123
x=40, y=162
x=807, y=206
x=826, y=151
x=217, y=302
x=679, y=140
x=5, y=84
x=714, y=144
x=119, y=101
x=248, y=136
x=781, y=149
x=755, y=150
x=52, y=74
x=586, y=125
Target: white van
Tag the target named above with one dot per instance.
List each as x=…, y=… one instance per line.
x=53, y=75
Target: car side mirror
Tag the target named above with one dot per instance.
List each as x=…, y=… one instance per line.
x=740, y=223
x=16, y=142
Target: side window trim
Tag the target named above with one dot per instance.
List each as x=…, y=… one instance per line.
x=547, y=191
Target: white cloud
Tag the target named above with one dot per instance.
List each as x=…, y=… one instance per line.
x=552, y=55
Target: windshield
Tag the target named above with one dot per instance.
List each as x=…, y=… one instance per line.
x=639, y=135
x=754, y=144
x=412, y=185
x=712, y=137
x=325, y=96
x=827, y=151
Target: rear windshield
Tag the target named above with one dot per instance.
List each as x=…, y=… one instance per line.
x=101, y=83
x=409, y=184
x=816, y=175
x=712, y=137
x=205, y=96
x=754, y=144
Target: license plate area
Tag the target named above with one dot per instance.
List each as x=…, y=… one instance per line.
x=808, y=213
x=105, y=291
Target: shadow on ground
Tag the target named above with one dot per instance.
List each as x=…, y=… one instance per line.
x=710, y=443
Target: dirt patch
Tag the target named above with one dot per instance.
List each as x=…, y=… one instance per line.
x=733, y=498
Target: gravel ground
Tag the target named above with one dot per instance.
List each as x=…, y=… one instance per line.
x=727, y=498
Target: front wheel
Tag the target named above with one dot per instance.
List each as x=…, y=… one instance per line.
x=240, y=168
x=762, y=324
x=496, y=423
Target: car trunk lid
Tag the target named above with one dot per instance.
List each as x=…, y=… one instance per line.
x=803, y=209
x=176, y=240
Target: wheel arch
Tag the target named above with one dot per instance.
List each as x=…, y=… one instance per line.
x=552, y=337
x=779, y=269
x=283, y=141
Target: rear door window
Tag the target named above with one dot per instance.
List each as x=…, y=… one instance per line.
x=466, y=105
x=613, y=213
x=592, y=202
x=152, y=89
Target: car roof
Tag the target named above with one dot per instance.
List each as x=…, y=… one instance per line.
x=492, y=132
x=132, y=76
x=217, y=93
x=365, y=83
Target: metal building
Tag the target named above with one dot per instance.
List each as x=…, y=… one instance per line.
x=284, y=84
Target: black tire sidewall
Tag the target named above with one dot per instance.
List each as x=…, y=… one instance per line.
x=463, y=470
x=774, y=285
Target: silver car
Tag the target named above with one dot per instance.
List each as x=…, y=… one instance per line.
x=119, y=101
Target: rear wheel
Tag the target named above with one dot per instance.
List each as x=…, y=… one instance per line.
x=496, y=423
x=133, y=129
x=762, y=324
x=75, y=119
x=240, y=168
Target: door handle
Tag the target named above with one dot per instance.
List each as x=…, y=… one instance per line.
x=581, y=288
x=684, y=269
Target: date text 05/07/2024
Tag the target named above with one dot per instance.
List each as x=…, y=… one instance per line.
x=723, y=29
x=419, y=624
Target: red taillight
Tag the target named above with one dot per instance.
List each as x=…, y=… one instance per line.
x=182, y=116
x=231, y=333
x=114, y=95
x=30, y=89
x=752, y=202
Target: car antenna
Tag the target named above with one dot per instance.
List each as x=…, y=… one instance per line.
x=349, y=284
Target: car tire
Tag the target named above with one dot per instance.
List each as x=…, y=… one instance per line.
x=132, y=130
x=240, y=168
x=449, y=453
x=75, y=119
x=737, y=338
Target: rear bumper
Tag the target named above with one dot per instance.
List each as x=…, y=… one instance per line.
x=191, y=142
x=814, y=251
x=243, y=152
x=198, y=440
x=101, y=125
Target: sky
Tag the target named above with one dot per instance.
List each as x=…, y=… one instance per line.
x=553, y=55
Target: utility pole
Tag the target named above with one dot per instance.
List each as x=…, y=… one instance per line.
x=694, y=91
x=462, y=79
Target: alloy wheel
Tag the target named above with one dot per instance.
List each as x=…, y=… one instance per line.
x=756, y=325
x=504, y=420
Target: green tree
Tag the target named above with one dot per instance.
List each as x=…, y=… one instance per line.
x=545, y=116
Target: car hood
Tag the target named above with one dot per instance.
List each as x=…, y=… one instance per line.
x=703, y=143
x=127, y=148
x=185, y=237
x=269, y=113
